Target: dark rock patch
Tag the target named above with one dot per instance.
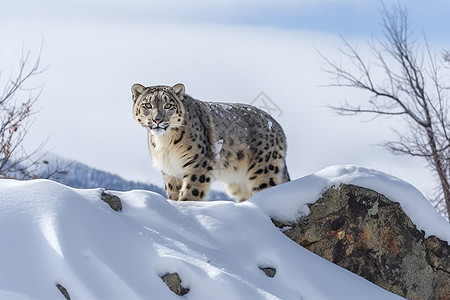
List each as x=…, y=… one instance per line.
x=368, y=234
x=113, y=201
x=173, y=281
x=270, y=272
x=63, y=291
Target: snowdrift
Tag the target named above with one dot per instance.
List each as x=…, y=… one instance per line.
x=53, y=235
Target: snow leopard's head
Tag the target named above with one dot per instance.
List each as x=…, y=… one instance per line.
x=158, y=108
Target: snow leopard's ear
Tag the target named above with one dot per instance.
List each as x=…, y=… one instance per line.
x=179, y=90
x=136, y=90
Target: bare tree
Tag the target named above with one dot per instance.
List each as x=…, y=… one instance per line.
x=404, y=79
x=16, y=117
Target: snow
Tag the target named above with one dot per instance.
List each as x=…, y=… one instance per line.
x=218, y=147
x=298, y=193
x=52, y=234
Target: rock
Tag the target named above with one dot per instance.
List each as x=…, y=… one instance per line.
x=366, y=233
x=63, y=291
x=112, y=200
x=270, y=272
x=173, y=281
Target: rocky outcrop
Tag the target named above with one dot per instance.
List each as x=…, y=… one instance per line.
x=366, y=233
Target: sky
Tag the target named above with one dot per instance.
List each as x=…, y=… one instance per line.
x=229, y=51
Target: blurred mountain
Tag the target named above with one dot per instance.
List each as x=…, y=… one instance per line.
x=78, y=175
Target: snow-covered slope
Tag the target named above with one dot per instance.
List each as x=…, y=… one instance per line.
x=52, y=234
x=80, y=175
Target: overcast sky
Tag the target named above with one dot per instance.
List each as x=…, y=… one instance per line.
x=222, y=51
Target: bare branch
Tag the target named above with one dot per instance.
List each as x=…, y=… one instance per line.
x=16, y=117
x=412, y=88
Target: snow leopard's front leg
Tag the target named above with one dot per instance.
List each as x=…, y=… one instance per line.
x=196, y=183
x=173, y=186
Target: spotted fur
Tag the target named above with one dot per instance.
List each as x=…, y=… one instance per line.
x=195, y=143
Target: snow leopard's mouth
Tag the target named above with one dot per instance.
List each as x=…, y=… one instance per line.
x=161, y=126
x=158, y=130
x=153, y=125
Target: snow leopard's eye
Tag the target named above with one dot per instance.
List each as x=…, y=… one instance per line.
x=168, y=106
x=147, y=105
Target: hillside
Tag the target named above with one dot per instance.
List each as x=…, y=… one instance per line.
x=80, y=175
x=53, y=235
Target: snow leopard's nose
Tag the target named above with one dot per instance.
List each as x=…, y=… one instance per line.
x=157, y=121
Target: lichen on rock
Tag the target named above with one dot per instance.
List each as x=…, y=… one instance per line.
x=366, y=233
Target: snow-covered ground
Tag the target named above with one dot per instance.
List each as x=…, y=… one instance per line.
x=51, y=234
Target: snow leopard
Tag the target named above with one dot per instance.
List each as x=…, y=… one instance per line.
x=195, y=143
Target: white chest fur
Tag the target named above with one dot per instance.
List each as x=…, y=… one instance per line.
x=166, y=157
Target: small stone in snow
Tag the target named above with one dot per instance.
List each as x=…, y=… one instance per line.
x=113, y=201
x=270, y=272
x=173, y=281
x=63, y=291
